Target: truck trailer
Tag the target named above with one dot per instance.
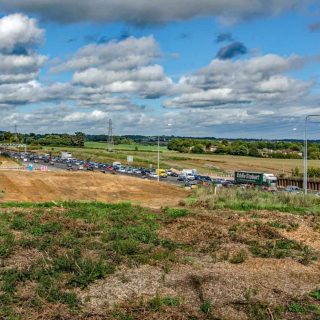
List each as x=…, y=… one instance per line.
x=255, y=178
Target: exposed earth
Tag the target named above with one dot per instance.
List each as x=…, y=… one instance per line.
x=71, y=186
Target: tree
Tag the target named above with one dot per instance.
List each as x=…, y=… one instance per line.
x=254, y=152
x=198, y=148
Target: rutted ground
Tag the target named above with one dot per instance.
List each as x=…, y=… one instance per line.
x=78, y=186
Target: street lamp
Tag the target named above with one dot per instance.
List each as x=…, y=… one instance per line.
x=169, y=125
x=158, y=158
x=305, y=156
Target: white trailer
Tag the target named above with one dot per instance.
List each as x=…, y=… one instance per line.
x=66, y=155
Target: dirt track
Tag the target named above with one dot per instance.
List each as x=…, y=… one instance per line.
x=62, y=186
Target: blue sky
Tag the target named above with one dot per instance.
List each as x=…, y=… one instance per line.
x=72, y=65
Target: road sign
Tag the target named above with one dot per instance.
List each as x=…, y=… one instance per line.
x=129, y=159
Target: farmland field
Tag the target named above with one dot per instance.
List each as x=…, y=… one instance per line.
x=128, y=147
x=206, y=164
x=86, y=186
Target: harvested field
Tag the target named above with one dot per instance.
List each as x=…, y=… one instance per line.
x=85, y=186
x=212, y=164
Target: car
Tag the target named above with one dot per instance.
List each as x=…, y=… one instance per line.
x=190, y=176
x=153, y=175
x=182, y=178
x=293, y=189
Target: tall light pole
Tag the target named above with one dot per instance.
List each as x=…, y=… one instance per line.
x=168, y=124
x=305, y=155
x=158, y=158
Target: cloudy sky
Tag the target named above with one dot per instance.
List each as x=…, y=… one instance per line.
x=224, y=68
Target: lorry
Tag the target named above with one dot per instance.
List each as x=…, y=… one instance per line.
x=255, y=178
x=65, y=155
x=189, y=173
x=116, y=164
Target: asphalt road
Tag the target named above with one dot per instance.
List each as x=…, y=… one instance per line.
x=63, y=167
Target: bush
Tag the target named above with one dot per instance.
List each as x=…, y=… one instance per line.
x=175, y=213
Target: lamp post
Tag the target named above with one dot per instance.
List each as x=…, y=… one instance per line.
x=158, y=159
x=305, y=155
x=168, y=124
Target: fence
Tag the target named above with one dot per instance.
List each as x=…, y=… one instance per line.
x=313, y=184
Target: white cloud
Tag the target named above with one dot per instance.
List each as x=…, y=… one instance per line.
x=124, y=55
x=20, y=68
x=18, y=32
x=253, y=81
x=95, y=115
x=124, y=67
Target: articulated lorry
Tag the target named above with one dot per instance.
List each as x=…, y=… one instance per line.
x=255, y=178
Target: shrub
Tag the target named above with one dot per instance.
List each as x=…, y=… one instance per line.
x=175, y=213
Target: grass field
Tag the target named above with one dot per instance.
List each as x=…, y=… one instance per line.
x=205, y=164
x=98, y=261
x=126, y=147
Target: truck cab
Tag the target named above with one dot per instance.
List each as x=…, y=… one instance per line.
x=161, y=173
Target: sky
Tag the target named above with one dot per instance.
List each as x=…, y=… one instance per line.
x=218, y=68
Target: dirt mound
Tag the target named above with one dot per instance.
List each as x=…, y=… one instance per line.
x=64, y=186
x=7, y=162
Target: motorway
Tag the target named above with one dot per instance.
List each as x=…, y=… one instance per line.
x=58, y=166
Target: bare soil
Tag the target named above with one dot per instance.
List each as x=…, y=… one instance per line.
x=205, y=273
x=7, y=162
x=84, y=186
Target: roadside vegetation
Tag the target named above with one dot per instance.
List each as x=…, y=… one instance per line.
x=254, y=199
x=207, y=259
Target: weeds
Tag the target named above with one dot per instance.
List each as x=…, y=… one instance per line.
x=79, y=244
x=238, y=257
x=315, y=294
x=283, y=248
x=175, y=213
x=239, y=199
x=157, y=302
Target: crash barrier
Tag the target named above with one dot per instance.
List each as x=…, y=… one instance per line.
x=13, y=168
x=41, y=168
x=313, y=184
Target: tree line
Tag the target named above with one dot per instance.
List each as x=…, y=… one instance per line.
x=59, y=140
x=260, y=148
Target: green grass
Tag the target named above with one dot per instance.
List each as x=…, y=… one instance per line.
x=79, y=243
x=126, y=147
x=143, y=156
x=239, y=199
